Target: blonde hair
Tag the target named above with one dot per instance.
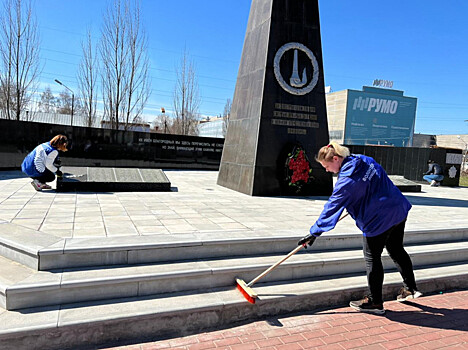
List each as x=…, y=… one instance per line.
x=327, y=152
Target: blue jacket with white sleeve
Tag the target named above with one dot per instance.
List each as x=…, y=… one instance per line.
x=41, y=158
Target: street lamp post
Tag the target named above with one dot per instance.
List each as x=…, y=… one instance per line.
x=73, y=98
x=466, y=144
x=465, y=151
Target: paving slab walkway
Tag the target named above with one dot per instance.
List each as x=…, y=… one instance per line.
x=196, y=204
x=438, y=321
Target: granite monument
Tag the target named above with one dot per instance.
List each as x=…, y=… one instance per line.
x=278, y=118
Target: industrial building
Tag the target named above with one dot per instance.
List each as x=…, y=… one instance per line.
x=212, y=127
x=373, y=116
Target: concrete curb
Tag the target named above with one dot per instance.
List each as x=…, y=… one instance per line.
x=216, y=309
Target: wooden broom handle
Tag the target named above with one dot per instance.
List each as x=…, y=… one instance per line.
x=271, y=268
x=266, y=272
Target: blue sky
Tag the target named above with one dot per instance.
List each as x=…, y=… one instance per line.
x=420, y=45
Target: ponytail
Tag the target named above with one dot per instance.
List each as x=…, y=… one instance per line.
x=327, y=153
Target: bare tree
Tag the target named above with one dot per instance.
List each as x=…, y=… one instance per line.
x=68, y=104
x=125, y=79
x=186, y=98
x=163, y=123
x=226, y=113
x=87, y=80
x=4, y=98
x=64, y=102
x=19, y=57
x=48, y=101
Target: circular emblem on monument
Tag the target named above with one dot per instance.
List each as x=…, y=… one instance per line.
x=298, y=85
x=452, y=172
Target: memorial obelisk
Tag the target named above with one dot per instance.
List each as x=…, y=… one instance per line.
x=278, y=115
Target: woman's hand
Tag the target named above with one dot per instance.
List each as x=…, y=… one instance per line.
x=309, y=239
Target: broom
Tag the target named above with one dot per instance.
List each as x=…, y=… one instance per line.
x=245, y=288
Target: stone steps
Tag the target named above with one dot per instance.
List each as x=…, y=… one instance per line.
x=70, y=293
x=41, y=251
x=42, y=288
x=178, y=314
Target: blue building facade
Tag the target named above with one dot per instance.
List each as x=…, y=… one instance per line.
x=373, y=116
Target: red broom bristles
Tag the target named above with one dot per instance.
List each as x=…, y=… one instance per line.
x=246, y=291
x=245, y=294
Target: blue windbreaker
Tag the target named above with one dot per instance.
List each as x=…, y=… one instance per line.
x=369, y=196
x=41, y=158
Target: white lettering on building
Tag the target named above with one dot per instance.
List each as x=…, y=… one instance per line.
x=383, y=83
x=377, y=105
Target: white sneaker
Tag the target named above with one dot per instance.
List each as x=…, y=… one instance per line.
x=406, y=294
x=37, y=185
x=433, y=183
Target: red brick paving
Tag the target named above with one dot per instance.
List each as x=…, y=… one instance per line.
x=437, y=321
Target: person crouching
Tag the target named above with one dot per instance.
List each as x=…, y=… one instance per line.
x=39, y=164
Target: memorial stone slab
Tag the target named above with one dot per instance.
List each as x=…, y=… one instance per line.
x=149, y=175
x=128, y=175
x=405, y=185
x=101, y=174
x=279, y=104
x=93, y=179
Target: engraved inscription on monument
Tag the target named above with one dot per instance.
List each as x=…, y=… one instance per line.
x=128, y=175
x=101, y=174
x=296, y=118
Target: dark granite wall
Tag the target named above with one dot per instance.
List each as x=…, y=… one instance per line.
x=411, y=162
x=110, y=148
x=100, y=147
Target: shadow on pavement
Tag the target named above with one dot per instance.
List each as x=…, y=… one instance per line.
x=274, y=322
x=11, y=174
x=439, y=202
x=434, y=317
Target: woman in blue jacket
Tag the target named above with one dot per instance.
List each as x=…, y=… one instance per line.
x=380, y=211
x=39, y=164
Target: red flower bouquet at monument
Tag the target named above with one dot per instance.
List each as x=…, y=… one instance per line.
x=298, y=168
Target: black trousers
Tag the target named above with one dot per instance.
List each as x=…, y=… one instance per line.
x=392, y=240
x=46, y=176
